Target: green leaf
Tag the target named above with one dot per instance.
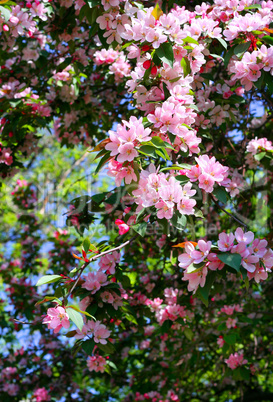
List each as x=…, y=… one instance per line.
x=156, y=60
x=230, y=339
x=88, y=346
x=93, y=3
x=245, y=374
x=172, y=137
x=166, y=91
x=86, y=245
x=111, y=364
x=258, y=157
x=125, y=281
x=244, y=273
x=108, y=348
x=223, y=42
x=185, y=64
x=239, y=50
x=183, y=179
x=267, y=39
x=236, y=99
x=147, y=150
x=75, y=316
x=177, y=167
x=161, y=154
x=253, y=6
x=232, y=260
x=221, y=194
x=49, y=298
x=188, y=333
x=269, y=82
x=178, y=220
x=203, y=293
x=195, y=268
x=221, y=327
x=228, y=56
x=260, y=82
x=102, y=162
x=198, y=213
x=71, y=334
x=165, y=53
x=188, y=39
x=98, y=198
x=48, y=279
x=5, y=13
x=207, y=76
x=158, y=142
x=140, y=228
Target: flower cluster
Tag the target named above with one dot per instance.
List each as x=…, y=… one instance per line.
x=256, y=258
x=235, y=360
x=256, y=147
x=208, y=172
x=165, y=193
x=127, y=137
x=95, y=329
x=24, y=194
x=249, y=68
x=96, y=363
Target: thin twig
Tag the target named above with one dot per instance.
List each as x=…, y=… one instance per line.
x=98, y=256
x=229, y=214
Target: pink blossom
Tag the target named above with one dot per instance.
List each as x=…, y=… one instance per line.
x=246, y=238
x=220, y=341
x=231, y=322
x=96, y=363
x=199, y=256
x=235, y=360
x=225, y=242
x=108, y=262
x=259, y=274
x=41, y=394
x=195, y=279
x=94, y=281
x=56, y=318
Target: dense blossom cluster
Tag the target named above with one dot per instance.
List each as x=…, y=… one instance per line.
x=257, y=259
x=165, y=193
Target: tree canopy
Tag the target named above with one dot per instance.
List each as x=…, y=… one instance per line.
x=136, y=164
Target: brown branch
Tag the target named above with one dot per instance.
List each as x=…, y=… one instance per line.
x=98, y=256
x=228, y=213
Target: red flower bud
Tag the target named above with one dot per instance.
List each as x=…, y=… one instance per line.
x=147, y=64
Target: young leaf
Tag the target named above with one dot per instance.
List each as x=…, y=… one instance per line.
x=188, y=39
x=49, y=298
x=185, y=64
x=75, y=316
x=157, y=12
x=86, y=245
x=48, y=279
